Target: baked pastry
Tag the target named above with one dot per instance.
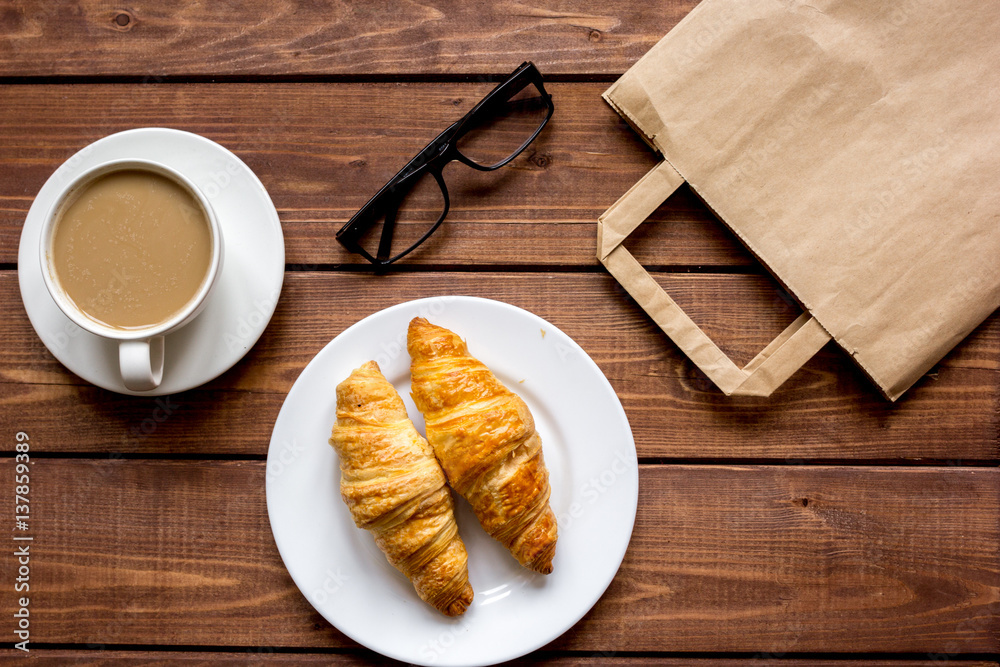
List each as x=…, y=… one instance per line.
x=485, y=438
x=395, y=488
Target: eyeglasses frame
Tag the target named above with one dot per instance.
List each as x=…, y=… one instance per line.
x=433, y=158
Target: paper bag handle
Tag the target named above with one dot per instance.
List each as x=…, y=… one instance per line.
x=793, y=347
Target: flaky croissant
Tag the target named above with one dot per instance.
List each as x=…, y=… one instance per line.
x=485, y=438
x=395, y=488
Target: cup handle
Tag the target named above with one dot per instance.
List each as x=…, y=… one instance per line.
x=141, y=363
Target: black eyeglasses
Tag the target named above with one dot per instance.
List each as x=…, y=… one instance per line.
x=407, y=210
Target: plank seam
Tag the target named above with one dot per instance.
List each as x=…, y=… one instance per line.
x=789, y=656
x=131, y=79
x=648, y=461
x=701, y=269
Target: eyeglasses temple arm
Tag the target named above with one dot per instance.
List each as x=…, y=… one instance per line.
x=351, y=231
x=518, y=80
x=388, y=225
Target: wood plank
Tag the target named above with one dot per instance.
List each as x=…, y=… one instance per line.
x=243, y=37
x=749, y=559
x=120, y=658
x=826, y=411
x=322, y=149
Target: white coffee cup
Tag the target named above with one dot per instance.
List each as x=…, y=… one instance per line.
x=140, y=350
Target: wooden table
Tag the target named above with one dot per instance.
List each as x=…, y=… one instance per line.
x=821, y=525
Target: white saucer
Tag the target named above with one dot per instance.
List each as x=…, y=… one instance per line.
x=244, y=298
x=593, y=470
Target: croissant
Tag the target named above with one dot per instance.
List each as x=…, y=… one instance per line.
x=395, y=488
x=485, y=438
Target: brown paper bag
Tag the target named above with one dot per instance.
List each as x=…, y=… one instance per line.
x=854, y=147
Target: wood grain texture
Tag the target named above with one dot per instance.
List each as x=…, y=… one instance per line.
x=749, y=559
x=826, y=411
x=355, y=658
x=152, y=538
x=356, y=37
x=322, y=150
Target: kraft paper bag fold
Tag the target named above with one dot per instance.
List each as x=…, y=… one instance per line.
x=854, y=148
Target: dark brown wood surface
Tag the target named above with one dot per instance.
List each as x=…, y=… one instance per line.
x=364, y=39
x=59, y=657
x=821, y=526
x=723, y=558
x=827, y=411
x=322, y=149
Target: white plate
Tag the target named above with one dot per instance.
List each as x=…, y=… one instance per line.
x=243, y=300
x=593, y=471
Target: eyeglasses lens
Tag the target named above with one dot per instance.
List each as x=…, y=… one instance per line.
x=419, y=210
x=502, y=131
